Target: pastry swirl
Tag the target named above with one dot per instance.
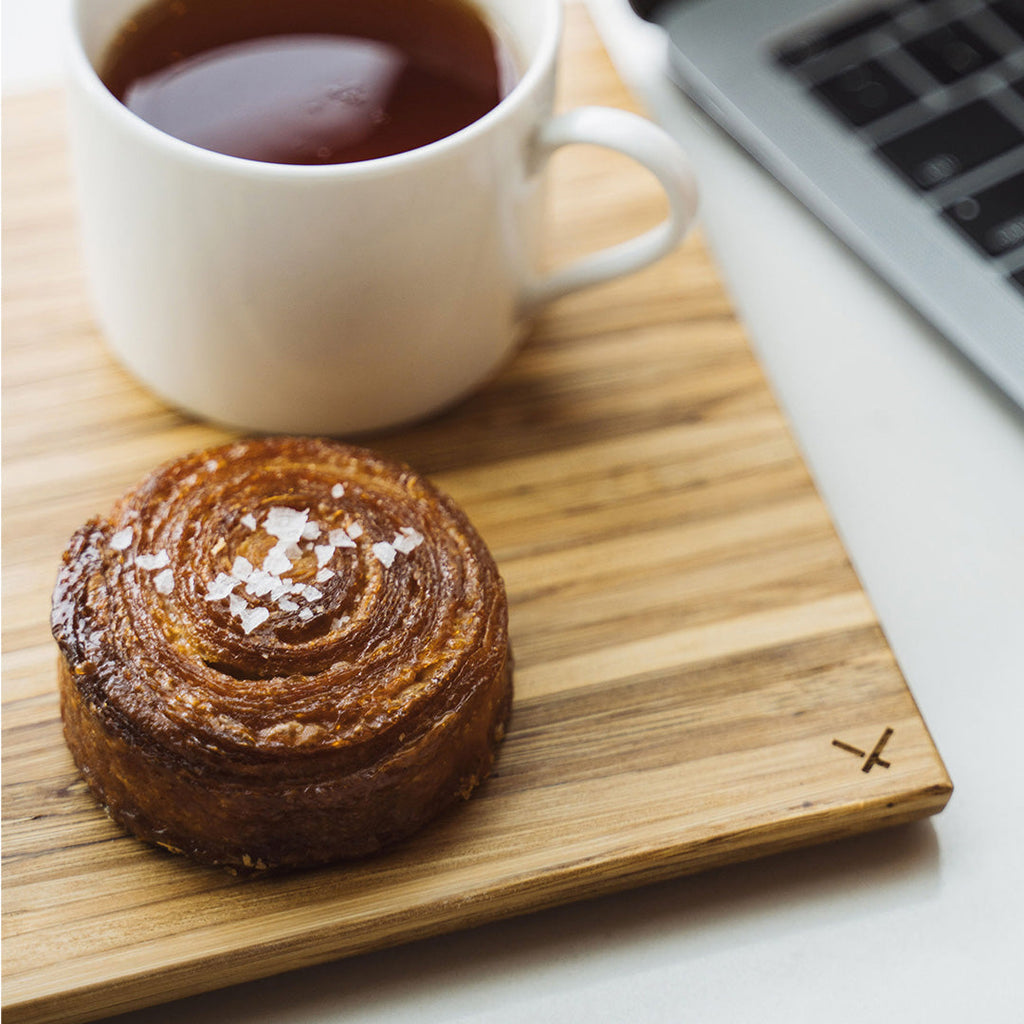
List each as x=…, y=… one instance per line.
x=281, y=653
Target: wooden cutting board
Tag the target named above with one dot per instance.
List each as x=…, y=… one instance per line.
x=700, y=677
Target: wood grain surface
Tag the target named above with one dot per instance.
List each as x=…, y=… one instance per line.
x=691, y=640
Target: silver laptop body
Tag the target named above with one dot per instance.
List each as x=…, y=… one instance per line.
x=900, y=124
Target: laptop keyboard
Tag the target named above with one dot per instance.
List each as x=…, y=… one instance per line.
x=936, y=89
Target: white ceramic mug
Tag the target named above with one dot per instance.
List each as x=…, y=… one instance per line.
x=344, y=298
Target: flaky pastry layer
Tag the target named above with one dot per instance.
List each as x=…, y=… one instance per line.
x=280, y=653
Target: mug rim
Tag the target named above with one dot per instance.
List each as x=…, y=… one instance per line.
x=80, y=66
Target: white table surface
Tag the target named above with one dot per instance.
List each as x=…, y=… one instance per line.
x=921, y=463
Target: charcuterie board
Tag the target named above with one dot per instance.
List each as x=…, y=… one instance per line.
x=700, y=677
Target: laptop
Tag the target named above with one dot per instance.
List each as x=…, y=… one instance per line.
x=900, y=124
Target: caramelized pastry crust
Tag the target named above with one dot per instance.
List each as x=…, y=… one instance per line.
x=281, y=653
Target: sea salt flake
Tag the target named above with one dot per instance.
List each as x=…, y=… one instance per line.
x=311, y=593
x=260, y=583
x=241, y=569
x=219, y=588
x=164, y=582
x=287, y=606
x=341, y=539
x=384, y=553
x=121, y=539
x=408, y=540
x=249, y=520
x=285, y=523
x=280, y=589
x=324, y=575
x=338, y=490
x=354, y=530
x=252, y=617
x=277, y=560
x=305, y=614
x=211, y=465
x=324, y=553
x=339, y=622
x=311, y=531
x=157, y=561
x=237, y=604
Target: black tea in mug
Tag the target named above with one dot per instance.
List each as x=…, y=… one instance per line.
x=309, y=81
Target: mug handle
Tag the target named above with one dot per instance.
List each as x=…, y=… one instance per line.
x=650, y=146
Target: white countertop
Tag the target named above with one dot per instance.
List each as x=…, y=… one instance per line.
x=921, y=464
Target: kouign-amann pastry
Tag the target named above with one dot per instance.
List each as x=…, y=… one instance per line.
x=280, y=653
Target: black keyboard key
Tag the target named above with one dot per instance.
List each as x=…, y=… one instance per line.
x=951, y=144
x=1012, y=12
x=806, y=45
x=952, y=52
x=993, y=218
x=862, y=93
x=926, y=9
x=1018, y=279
